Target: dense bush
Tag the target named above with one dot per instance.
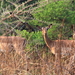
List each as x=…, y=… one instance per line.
x=56, y=12
x=33, y=38
x=53, y=12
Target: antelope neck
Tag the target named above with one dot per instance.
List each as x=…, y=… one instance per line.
x=47, y=41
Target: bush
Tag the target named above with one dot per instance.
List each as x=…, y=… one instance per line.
x=56, y=12
x=33, y=38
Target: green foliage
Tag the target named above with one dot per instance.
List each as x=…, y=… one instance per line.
x=56, y=12
x=33, y=38
x=37, y=38
x=53, y=32
x=23, y=33
x=53, y=12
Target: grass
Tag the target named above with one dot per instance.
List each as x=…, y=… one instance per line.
x=37, y=62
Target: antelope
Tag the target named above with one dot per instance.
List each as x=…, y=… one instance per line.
x=9, y=43
x=67, y=46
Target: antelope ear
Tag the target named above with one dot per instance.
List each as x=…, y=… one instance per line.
x=49, y=26
x=39, y=27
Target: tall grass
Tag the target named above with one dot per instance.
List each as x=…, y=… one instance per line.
x=40, y=61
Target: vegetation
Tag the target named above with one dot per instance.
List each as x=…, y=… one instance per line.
x=21, y=17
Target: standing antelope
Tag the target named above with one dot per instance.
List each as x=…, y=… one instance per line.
x=9, y=43
x=67, y=46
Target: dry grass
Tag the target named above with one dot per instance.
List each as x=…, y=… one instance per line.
x=37, y=62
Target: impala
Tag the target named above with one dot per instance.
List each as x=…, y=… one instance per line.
x=67, y=46
x=9, y=43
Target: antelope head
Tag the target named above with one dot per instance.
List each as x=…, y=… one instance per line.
x=44, y=29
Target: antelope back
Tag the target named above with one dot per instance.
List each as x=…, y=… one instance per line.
x=19, y=44
x=9, y=43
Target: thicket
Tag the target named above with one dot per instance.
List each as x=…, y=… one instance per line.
x=59, y=13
